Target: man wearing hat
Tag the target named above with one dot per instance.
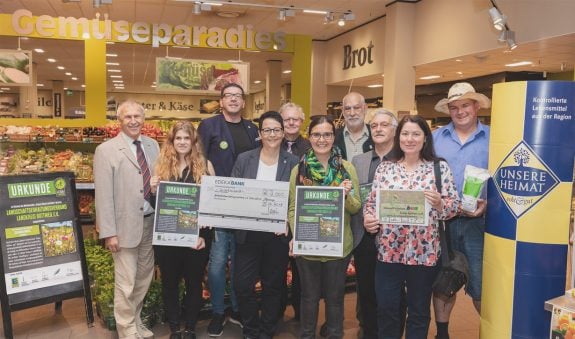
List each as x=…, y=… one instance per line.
x=464, y=141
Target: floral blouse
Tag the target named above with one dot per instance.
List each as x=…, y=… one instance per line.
x=409, y=244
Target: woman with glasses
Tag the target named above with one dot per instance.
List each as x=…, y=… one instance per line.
x=262, y=255
x=408, y=254
x=181, y=159
x=322, y=165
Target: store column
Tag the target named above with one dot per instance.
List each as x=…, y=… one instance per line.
x=273, y=85
x=399, y=79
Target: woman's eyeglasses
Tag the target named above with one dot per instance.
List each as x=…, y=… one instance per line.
x=268, y=131
x=317, y=136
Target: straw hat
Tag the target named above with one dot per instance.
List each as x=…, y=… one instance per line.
x=460, y=91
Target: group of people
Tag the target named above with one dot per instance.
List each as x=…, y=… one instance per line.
x=395, y=264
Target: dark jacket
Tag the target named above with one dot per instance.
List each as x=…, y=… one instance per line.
x=246, y=166
x=340, y=142
x=299, y=147
x=218, y=144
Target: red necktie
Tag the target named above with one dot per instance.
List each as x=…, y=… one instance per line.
x=144, y=168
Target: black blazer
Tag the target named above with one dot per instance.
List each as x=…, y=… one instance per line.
x=246, y=166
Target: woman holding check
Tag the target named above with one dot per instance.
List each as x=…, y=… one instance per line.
x=181, y=159
x=408, y=254
x=322, y=165
x=262, y=255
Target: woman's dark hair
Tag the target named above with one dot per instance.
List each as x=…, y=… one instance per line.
x=320, y=119
x=271, y=115
x=231, y=84
x=427, y=153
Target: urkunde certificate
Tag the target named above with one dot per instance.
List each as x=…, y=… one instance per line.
x=176, y=218
x=245, y=204
x=319, y=213
x=402, y=207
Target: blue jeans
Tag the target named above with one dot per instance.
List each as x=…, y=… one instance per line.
x=390, y=280
x=322, y=279
x=223, y=245
x=466, y=235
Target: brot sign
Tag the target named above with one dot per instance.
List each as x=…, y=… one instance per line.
x=359, y=55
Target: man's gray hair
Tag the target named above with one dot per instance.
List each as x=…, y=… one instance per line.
x=295, y=106
x=383, y=111
x=128, y=105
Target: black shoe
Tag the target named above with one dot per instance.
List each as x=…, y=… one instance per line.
x=323, y=330
x=236, y=318
x=176, y=335
x=189, y=334
x=216, y=326
x=442, y=337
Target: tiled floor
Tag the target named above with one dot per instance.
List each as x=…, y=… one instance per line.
x=45, y=323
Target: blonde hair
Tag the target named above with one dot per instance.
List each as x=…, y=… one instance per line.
x=167, y=164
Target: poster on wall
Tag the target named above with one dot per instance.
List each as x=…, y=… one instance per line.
x=199, y=76
x=176, y=217
x=40, y=237
x=15, y=67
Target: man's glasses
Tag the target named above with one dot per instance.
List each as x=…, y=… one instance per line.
x=317, y=136
x=381, y=124
x=268, y=131
x=232, y=95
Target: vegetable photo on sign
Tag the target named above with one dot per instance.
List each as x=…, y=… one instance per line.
x=15, y=67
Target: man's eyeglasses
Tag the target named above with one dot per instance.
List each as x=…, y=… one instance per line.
x=268, y=131
x=233, y=95
x=317, y=136
x=382, y=124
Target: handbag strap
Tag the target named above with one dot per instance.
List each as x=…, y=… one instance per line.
x=443, y=239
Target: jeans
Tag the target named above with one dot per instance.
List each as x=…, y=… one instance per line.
x=223, y=245
x=264, y=258
x=365, y=258
x=325, y=279
x=466, y=236
x=390, y=280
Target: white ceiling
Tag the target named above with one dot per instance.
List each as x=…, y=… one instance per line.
x=137, y=62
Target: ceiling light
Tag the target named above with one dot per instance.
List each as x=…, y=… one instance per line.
x=5, y=88
x=118, y=81
x=520, y=63
x=68, y=73
x=114, y=70
x=38, y=50
x=349, y=16
x=430, y=77
x=282, y=15
x=287, y=71
x=511, y=40
x=51, y=60
x=115, y=76
x=40, y=85
x=497, y=18
x=74, y=78
x=313, y=11
x=341, y=22
x=257, y=81
x=83, y=86
x=153, y=86
x=375, y=86
x=60, y=67
x=111, y=55
x=459, y=73
x=328, y=18
x=113, y=63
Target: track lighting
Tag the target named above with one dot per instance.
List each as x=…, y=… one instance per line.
x=511, y=40
x=498, y=19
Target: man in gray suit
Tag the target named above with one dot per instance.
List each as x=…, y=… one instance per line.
x=382, y=124
x=124, y=215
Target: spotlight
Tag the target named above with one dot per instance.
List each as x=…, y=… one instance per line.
x=511, y=40
x=328, y=18
x=503, y=36
x=282, y=15
x=197, y=9
x=341, y=22
x=497, y=18
x=348, y=16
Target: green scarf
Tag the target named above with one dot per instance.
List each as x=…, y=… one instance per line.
x=312, y=173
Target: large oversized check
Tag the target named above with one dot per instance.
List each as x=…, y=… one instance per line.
x=245, y=204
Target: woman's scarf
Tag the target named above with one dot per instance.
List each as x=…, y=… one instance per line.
x=312, y=173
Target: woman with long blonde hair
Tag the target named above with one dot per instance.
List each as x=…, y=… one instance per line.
x=181, y=159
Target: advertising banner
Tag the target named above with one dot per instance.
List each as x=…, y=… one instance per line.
x=531, y=156
x=15, y=67
x=319, y=213
x=199, y=76
x=176, y=218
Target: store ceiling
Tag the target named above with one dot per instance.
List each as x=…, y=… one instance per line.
x=137, y=62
